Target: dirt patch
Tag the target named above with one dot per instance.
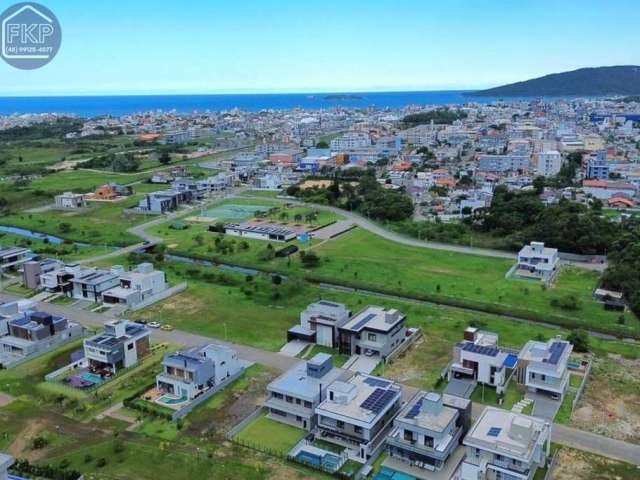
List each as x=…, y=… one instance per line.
x=5, y=399
x=576, y=465
x=422, y=363
x=21, y=447
x=610, y=405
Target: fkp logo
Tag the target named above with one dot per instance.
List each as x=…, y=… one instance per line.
x=31, y=35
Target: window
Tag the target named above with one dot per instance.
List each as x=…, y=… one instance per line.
x=298, y=401
x=298, y=419
x=371, y=337
x=340, y=424
x=289, y=399
x=357, y=429
x=308, y=404
x=428, y=441
x=130, y=346
x=408, y=435
x=277, y=395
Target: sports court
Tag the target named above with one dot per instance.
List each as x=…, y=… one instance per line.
x=234, y=211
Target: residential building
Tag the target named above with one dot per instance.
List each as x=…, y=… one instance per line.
x=11, y=311
x=607, y=189
x=190, y=373
x=356, y=413
x=319, y=323
x=427, y=435
x=137, y=286
x=12, y=257
x=478, y=358
x=122, y=345
x=375, y=332
x=350, y=141
x=70, y=200
x=60, y=279
x=32, y=333
x=538, y=262
x=90, y=284
x=32, y=270
x=505, y=445
x=503, y=163
x=543, y=367
x=164, y=201
x=598, y=167
x=549, y=163
x=294, y=395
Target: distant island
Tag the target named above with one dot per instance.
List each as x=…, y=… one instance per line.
x=584, y=82
x=343, y=97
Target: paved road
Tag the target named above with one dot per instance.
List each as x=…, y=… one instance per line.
x=377, y=229
x=561, y=434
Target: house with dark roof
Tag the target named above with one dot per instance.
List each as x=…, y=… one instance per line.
x=122, y=345
x=90, y=284
x=356, y=413
x=374, y=332
x=478, y=357
x=12, y=257
x=543, y=367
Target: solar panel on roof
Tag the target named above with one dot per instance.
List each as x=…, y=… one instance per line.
x=364, y=321
x=556, y=349
x=480, y=349
x=494, y=431
x=415, y=410
x=376, y=382
x=378, y=400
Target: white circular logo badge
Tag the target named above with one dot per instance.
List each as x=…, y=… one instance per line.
x=31, y=35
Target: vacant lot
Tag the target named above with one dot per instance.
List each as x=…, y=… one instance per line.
x=574, y=465
x=611, y=403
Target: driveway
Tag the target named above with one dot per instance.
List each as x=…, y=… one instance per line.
x=460, y=387
x=543, y=406
x=294, y=348
x=362, y=363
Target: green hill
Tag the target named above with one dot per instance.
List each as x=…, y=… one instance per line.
x=588, y=82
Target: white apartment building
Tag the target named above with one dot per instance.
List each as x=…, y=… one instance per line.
x=549, y=163
x=350, y=141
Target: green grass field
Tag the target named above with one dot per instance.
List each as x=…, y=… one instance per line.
x=270, y=436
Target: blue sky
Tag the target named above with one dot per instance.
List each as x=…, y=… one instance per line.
x=223, y=46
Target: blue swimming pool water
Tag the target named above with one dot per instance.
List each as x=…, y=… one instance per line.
x=328, y=461
x=388, y=474
x=171, y=401
x=91, y=377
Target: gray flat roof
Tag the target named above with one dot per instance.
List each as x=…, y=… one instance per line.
x=296, y=382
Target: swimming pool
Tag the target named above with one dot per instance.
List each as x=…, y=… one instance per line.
x=170, y=400
x=327, y=461
x=388, y=474
x=91, y=377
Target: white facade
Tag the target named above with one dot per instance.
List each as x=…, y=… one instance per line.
x=349, y=141
x=549, y=163
x=70, y=200
x=537, y=261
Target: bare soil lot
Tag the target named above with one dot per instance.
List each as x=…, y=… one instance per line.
x=575, y=465
x=610, y=405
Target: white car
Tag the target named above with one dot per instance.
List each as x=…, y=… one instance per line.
x=153, y=325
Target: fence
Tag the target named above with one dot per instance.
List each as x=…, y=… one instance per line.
x=82, y=363
x=184, y=411
x=582, y=386
x=161, y=296
x=246, y=421
x=404, y=346
x=552, y=466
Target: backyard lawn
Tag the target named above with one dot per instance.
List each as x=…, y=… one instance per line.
x=270, y=436
x=488, y=396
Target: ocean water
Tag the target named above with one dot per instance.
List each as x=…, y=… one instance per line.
x=92, y=106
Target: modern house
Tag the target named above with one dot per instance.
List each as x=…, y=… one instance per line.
x=262, y=231
x=31, y=333
x=121, y=345
x=427, y=435
x=505, y=445
x=319, y=323
x=543, y=367
x=375, y=332
x=479, y=358
x=92, y=283
x=32, y=270
x=357, y=413
x=60, y=279
x=294, y=395
x=164, y=201
x=70, y=200
x=11, y=311
x=12, y=257
x=190, y=373
x=136, y=286
x=537, y=262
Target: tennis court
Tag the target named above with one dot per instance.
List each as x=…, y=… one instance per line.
x=234, y=211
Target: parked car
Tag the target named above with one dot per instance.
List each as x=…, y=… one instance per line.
x=153, y=325
x=167, y=328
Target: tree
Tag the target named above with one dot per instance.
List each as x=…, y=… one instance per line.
x=538, y=185
x=165, y=158
x=309, y=259
x=64, y=227
x=276, y=279
x=580, y=340
x=322, y=144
